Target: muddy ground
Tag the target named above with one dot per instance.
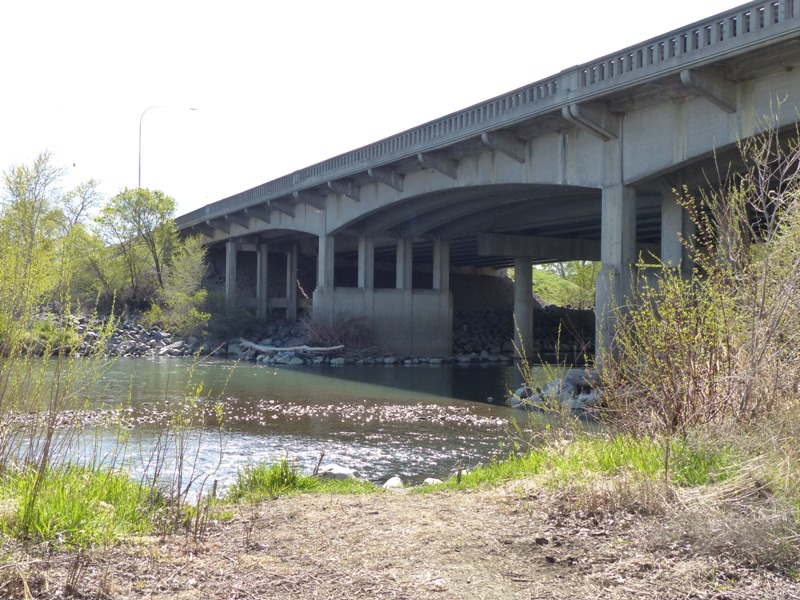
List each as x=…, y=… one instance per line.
x=513, y=542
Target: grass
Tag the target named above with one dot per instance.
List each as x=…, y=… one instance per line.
x=79, y=506
x=82, y=507
x=268, y=481
x=76, y=506
x=560, y=462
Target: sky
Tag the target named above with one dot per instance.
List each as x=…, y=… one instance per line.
x=276, y=85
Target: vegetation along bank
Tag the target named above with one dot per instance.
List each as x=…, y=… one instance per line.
x=692, y=488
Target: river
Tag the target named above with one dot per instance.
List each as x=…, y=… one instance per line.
x=415, y=422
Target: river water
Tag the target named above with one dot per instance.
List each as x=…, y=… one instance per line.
x=415, y=422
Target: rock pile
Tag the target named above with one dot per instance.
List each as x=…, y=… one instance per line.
x=482, y=336
x=485, y=330
x=563, y=331
x=130, y=339
x=578, y=390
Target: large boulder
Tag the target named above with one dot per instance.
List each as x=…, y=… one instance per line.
x=393, y=483
x=334, y=471
x=579, y=389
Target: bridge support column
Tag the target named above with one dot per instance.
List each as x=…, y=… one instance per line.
x=523, y=307
x=262, y=255
x=675, y=224
x=617, y=252
x=441, y=266
x=405, y=264
x=325, y=262
x=366, y=273
x=291, y=285
x=323, y=294
x=671, y=230
x=231, y=248
x=366, y=262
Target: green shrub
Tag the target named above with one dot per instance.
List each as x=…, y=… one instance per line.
x=721, y=347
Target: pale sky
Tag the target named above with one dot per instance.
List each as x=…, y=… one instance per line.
x=278, y=86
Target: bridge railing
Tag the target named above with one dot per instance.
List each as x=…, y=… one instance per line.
x=738, y=28
x=727, y=27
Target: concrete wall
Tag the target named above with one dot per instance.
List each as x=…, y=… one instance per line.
x=417, y=323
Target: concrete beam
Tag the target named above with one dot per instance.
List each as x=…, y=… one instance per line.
x=507, y=143
x=560, y=249
x=439, y=161
x=203, y=229
x=711, y=86
x=220, y=224
x=314, y=199
x=283, y=206
x=345, y=187
x=387, y=176
x=594, y=119
x=542, y=247
x=258, y=213
x=239, y=220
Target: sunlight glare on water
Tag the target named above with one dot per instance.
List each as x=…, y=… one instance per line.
x=415, y=422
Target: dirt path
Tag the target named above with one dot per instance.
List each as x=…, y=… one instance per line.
x=499, y=544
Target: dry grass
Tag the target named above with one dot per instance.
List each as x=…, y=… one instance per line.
x=352, y=331
x=516, y=541
x=623, y=493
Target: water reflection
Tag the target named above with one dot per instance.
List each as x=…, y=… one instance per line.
x=416, y=422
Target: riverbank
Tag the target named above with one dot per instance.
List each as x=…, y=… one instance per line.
x=514, y=541
x=583, y=517
x=478, y=337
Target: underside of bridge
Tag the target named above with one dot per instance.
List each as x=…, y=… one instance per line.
x=580, y=166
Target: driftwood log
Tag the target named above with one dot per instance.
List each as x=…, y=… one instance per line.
x=248, y=345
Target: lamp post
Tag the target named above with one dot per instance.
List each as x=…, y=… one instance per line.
x=141, y=117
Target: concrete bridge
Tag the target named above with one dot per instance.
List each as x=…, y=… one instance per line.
x=581, y=165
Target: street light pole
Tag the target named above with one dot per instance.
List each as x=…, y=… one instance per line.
x=141, y=117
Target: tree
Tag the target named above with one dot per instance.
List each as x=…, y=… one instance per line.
x=75, y=205
x=567, y=283
x=29, y=268
x=180, y=301
x=138, y=222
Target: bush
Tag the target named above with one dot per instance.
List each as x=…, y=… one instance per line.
x=722, y=346
x=180, y=302
x=351, y=331
x=226, y=321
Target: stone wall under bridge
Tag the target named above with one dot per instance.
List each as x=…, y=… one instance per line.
x=483, y=321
